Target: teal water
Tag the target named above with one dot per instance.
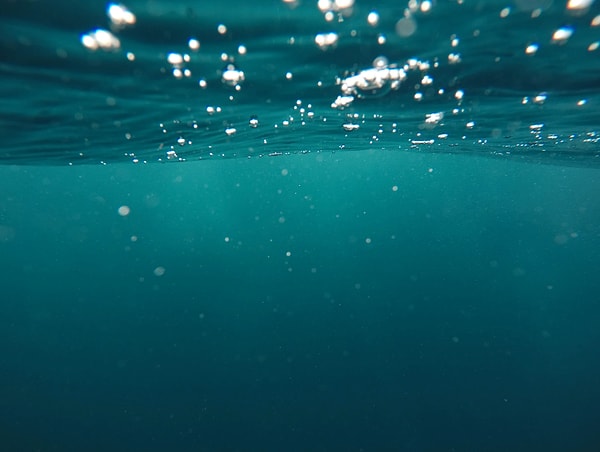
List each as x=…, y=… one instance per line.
x=416, y=283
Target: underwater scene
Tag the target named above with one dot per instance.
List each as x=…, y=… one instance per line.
x=300, y=225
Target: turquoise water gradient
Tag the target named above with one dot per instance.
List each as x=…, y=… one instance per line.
x=384, y=237
x=469, y=322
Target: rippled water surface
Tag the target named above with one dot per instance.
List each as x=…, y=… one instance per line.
x=163, y=81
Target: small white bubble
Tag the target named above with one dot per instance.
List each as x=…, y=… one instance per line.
x=373, y=18
x=531, y=49
x=222, y=29
x=175, y=58
x=124, y=211
x=159, y=271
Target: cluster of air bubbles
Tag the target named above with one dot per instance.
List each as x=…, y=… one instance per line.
x=379, y=80
x=232, y=76
x=333, y=8
x=101, y=39
x=178, y=62
x=326, y=40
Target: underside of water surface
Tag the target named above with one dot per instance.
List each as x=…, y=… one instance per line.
x=149, y=82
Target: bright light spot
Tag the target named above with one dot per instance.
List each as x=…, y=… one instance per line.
x=289, y=75
x=194, y=44
x=434, y=118
x=175, y=59
x=594, y=46
x=426, y=6
x=130, y=56
x=531, y=49
x=581, y=102
x=326, y=40
x=120, y=15
x=380, y=62
x=124, y=211
x=381, y=39
x=242, y=49
x=222, y=29
x=540, y=98
x=230, y=131
x=202, y=83
x=595, y=21
x=343, y=4
x=454, y=58
x=470, y=124
x=562, y=35
x=232, y=76
x=505, y=12
x=373, y=81
x=349, y=127
x=579, y=4
x=159, y=271
x=100, y=39
x=327, y=6
x=373, y=18
x=342, y=102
